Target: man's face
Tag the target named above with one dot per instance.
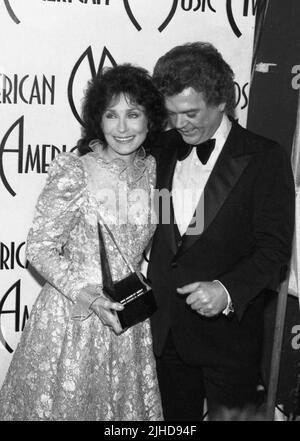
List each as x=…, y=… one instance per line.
x=192, y=117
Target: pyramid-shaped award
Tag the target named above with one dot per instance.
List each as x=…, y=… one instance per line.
x=133, y=291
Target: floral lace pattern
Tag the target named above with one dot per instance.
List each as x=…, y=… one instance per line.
x=65, y=369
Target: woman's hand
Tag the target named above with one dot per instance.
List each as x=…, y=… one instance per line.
x=106, y=309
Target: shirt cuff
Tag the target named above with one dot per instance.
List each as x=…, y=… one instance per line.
x=229, y=308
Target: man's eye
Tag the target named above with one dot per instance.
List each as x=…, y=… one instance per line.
x=191, y=115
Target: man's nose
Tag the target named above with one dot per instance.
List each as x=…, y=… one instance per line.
x=180, y=121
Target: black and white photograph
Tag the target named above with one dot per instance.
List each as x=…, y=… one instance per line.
x=150, y=213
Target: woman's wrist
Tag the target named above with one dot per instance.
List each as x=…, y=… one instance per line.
x=84, y=301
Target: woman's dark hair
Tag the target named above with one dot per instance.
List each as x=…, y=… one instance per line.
x=136, y=84
x=200, y=66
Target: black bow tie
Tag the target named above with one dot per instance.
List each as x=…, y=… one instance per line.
x=203, y=150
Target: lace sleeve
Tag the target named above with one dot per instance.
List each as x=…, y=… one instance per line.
x=151, y=170
x=57, y=212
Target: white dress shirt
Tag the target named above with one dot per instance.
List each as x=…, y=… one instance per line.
x=190, y=177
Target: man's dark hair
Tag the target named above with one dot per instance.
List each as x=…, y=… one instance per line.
x=132, y=81
x=200, y=66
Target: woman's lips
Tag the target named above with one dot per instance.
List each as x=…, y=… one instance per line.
x=123, y=139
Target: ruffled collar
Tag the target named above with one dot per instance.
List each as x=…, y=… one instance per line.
x=131, y=172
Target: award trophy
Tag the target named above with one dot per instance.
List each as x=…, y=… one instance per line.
x=133, y=291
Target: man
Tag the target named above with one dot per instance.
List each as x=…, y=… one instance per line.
x=209, y=276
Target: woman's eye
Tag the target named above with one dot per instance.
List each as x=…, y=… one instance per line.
x=133, y=115
x=191, y=115
x=109, y=115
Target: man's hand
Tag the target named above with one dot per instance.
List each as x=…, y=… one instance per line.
x=207, y=298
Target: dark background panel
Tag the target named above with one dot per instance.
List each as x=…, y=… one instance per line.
x=272, y=99
x=272, y=113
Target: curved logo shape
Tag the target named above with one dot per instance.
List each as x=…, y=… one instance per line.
x=231, y=19
x=11, y=12
x=169, y=17
x=161, y=27
x=90, y=58
x=131, y=16
x=246, y=11
x=19, y=126
x=13, y=291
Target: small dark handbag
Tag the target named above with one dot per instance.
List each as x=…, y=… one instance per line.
x=133, y=291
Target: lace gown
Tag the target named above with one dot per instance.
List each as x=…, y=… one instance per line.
x=67, y=369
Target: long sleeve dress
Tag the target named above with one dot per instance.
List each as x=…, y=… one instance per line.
x=70, y=369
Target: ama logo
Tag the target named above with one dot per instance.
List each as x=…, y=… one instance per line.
x=246, y=12
x=28, y=158
x=195, y=5
x=21, y=314
x=162, y=26
x=11, y=11
x=85, y=63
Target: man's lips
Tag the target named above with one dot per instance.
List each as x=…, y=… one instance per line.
x=188, y=132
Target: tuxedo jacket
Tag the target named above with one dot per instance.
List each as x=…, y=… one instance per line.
x=246, y=241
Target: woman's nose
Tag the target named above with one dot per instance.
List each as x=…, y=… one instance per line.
x=122, y=124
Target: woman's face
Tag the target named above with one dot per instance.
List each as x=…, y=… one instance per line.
x=125, y=126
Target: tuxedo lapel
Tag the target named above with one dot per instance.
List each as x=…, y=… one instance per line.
x=223, y=179
x=228, y=169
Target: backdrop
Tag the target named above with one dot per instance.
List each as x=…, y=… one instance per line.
x=49, y=50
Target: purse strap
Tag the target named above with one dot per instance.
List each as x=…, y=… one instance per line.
x=101, y=240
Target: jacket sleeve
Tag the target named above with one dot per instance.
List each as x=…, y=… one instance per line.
x=273, y=226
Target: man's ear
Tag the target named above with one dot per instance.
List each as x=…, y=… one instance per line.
x=221, y=107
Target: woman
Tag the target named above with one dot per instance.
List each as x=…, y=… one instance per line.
x=73, y=362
